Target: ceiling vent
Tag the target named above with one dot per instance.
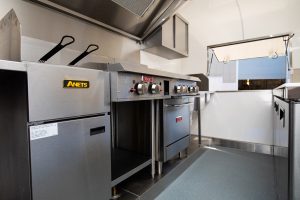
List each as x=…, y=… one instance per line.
x=137, y=7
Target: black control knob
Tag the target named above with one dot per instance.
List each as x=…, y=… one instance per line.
x=140, y=88
x=154, y=88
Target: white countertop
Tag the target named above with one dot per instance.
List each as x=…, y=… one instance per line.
x=288, y=85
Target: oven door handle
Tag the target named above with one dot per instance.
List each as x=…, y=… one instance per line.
x=177, y=105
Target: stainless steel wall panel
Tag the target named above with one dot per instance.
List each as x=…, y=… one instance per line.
x=245, y=146
x=48, y=99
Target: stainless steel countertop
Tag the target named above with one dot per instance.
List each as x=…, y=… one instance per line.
x=288, y=85
x=139, y=69
x=117, y=67
x=12, y=66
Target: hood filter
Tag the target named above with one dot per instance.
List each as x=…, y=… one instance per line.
x=137, y=7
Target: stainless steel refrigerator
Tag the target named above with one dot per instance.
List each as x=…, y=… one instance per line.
x=286, y=122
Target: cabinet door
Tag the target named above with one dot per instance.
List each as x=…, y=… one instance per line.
x=281, y=124
x=71, y=160
x=168, y=34
x=180, y=35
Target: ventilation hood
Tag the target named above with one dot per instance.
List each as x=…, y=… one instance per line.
x=135, y=19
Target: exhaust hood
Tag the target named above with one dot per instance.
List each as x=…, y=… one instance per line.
x=135, y=19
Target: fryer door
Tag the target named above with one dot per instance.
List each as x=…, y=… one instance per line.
x=70, y=160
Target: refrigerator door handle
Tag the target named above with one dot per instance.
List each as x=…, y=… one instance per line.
x=276, y=107
x=98, y=130
x=282, y=116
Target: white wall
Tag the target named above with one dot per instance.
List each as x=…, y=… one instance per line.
x=157, y=62
x=218, y=21
x=44, y=24
x=241, y=116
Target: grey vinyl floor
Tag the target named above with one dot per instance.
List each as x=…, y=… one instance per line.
x=225, y=174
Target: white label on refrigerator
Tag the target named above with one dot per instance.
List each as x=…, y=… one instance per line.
x=43, y=131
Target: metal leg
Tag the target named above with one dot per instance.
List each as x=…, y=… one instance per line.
x=160, y=166
x=157, y=136
x=181, y=155
x=115, y=194
x=186, y=152
x=112, y=118
x=153, y=138
x=198, y=103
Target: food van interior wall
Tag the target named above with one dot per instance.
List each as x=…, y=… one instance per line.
x=237, y=116
x=48, y=25
x=244, y=116
x=218, y=21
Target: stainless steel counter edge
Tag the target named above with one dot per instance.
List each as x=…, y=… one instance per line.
x=139, y=69
x=22, y=66
x=12, y=66
x=288, y=85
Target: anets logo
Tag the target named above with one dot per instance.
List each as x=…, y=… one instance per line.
x=76, y=84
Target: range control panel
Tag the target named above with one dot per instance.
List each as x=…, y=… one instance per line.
x=130, y=86
x=183, y=87
x=147, y=84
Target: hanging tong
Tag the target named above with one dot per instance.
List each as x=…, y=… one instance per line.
x=91, y=48
x=57, y=48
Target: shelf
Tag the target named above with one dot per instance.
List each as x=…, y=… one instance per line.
x=126, y=163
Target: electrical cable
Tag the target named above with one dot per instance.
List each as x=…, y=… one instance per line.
x=241, y=18
x=210, y=63
x=286, y=43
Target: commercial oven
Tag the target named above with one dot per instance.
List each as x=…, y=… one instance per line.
x=174, y=129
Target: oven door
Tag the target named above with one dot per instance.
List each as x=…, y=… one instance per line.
x=176, y=121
